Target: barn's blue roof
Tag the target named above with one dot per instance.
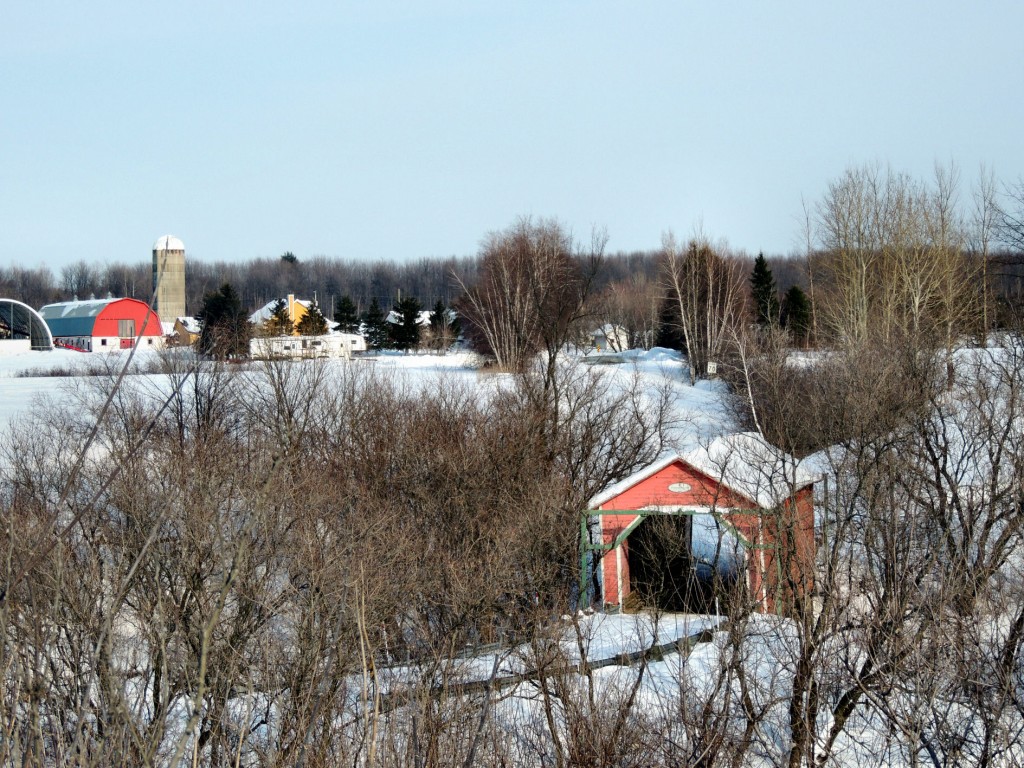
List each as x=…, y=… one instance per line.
x=73, y=318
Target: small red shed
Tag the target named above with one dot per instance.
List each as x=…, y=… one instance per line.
x=745, y=487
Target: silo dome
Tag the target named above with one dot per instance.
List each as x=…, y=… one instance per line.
x=168, y=243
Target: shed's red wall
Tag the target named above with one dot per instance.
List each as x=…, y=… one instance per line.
x=126, y=309
x=777, y=537
x=654, y=491
x=704, y=491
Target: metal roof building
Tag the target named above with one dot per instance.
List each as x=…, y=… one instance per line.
x=21, y=327
x=103, y=324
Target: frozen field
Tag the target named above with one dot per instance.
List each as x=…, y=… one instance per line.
x=699, y=412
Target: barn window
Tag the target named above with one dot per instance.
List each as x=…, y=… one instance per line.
x=126, y=329
x=103, y=342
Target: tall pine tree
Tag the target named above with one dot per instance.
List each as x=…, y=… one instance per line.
x=226, y=329
x=669, y=333
x=444, y=326
x=375, y=327
x=765, y=292
x=796, y=314
x=313, y=323
x=346, y=315
x=279, y=323
x=406, y=335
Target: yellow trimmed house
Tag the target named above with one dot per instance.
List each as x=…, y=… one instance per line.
x=297, y=309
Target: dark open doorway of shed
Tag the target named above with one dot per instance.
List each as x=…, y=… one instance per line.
x=663, y=573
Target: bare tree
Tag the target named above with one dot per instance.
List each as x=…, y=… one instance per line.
x=709, y=293
x=532, y=291
x=909, y=629
x=632, y=306
x=894, y=258
x=1011, y=221
x=983, y=231
x=80, y=279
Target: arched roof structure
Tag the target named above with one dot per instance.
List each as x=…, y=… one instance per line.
x=19, y=322
x=99, y=317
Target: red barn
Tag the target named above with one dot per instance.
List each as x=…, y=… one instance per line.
x=745, y=505
x=103, y=325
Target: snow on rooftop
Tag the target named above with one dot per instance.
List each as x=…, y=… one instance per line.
x=744, y=462
x=422, y=318
x=190, y=324
x=750, y=465
x=265, y=312
x=76, y=308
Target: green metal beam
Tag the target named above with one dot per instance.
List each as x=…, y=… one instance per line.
x=641, y=514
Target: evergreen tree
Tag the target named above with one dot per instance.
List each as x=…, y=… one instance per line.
x=375, y=327
x=438, y=317
x=313, y=323
x=346, y=316
x=280, y=322
x=226, y=329
x=765, y=292
x=444, y=326
x=796, y=314
x=406, y=335
x=669, y=334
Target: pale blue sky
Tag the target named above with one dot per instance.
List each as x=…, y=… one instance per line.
x=399, y=130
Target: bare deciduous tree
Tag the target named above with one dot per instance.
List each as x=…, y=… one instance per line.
x=532, y=290
x=894, y=259
x=709, y=294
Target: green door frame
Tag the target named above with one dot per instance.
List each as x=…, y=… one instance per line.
x=586, y=547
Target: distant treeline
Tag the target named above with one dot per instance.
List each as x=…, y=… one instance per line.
x=261, y=280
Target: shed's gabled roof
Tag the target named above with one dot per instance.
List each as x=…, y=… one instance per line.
x=744, y=463
x=749, y=465
x=637, y=477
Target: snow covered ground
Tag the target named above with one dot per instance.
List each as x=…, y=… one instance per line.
x=18, y=392
x=603, y=637
x=699, y=413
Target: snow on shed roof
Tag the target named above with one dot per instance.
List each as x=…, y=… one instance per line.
x=743, y=462
x=73, y=318
x=748, y=464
